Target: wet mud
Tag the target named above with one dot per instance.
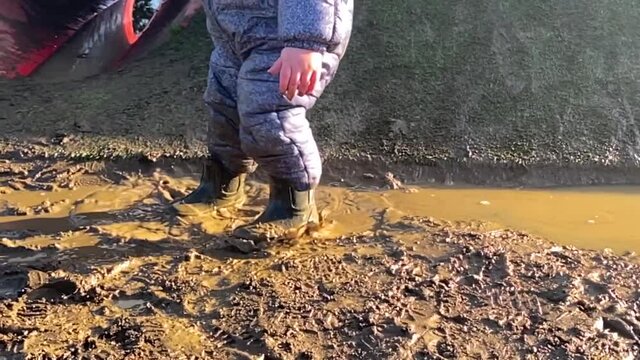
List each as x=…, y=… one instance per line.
x=93, y=265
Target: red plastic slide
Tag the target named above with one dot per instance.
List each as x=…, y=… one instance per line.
x=77, y=38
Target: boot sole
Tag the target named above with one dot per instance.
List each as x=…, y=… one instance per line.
x=194, y=210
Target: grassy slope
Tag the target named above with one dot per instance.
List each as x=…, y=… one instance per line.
x=513, y=81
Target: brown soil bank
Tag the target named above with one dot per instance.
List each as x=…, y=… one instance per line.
x=106, y=272
x=513, y=92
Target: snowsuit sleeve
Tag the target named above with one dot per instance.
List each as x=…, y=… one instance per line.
x=307, y=24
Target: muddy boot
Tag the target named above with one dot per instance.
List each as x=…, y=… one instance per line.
x=218, y=190
x=287, y=216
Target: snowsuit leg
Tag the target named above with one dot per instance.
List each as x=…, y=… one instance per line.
x=274, y=131
x=220, y=97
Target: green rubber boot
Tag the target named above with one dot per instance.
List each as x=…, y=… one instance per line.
x=218, y=189
x=287, y=216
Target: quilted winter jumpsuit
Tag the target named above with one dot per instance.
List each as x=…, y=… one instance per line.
x=251, y=121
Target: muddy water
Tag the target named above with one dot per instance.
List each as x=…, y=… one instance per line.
x=105, y=271
x=594, y=218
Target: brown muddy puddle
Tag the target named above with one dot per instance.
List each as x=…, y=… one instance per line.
x=105, y=271
x=592, y=218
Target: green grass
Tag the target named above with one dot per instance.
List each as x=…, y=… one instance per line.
x=514, y=81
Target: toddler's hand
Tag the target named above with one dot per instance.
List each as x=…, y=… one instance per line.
x=299, y=70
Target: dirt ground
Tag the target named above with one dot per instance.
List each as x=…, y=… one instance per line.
x=94, y=266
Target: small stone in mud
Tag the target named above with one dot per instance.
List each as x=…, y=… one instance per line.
x=89, y=344
x=485, y=203
x=445, y=349
x=61, y=139
x=556, y=249
x=151, y=157
x=330, y=322
x=368, y=176
x=15, y=210
x=165, y=195
x=398, y=253
x=46, y=208
x=192, y=256
x=392, y=181
x=149, y=201
x=244, y=245
x=124, y=332
x=177, y=232
x=620, y=327
x=14, y=185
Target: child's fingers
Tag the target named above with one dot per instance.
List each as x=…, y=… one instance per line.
x=305, y=79
x=275, y=68
x=312, y=81
x=294, y=80
x=285, y=75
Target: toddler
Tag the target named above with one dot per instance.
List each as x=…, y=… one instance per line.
x=272, y=60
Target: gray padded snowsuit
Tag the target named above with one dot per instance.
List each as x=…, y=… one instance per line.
x=250, y=119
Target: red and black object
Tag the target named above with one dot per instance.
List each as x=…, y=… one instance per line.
x=77, y=38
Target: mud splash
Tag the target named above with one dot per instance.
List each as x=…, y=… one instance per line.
x=92, y=265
